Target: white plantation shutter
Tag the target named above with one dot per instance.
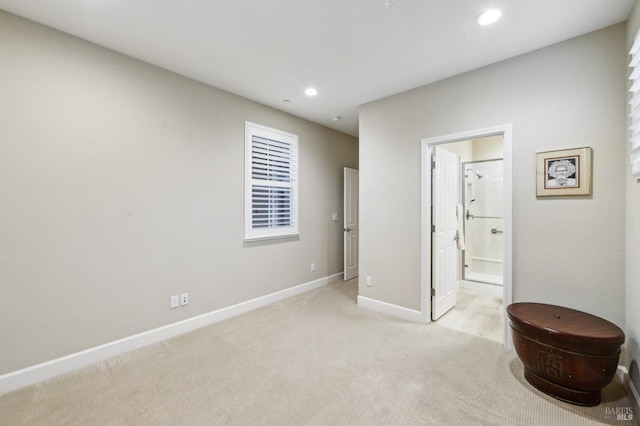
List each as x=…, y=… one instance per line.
x=635, y=107
x=271, y=184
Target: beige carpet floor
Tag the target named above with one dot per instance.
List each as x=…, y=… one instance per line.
x=315, y=359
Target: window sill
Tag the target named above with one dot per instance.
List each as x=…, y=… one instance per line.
x=295, y=236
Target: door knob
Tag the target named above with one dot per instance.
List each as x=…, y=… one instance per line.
x=348, y=229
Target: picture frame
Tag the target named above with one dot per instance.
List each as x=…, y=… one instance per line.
x=564, y=172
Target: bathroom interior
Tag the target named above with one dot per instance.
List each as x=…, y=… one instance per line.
x=479, y=308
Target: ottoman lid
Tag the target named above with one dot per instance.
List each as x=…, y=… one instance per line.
x=565, y=324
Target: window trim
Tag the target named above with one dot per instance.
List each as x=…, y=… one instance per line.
x=272, y=232
x=634, y=107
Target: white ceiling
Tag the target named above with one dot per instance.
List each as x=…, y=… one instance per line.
x=352, y=51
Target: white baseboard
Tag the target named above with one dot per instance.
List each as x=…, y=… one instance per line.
x=622, y=375
x=392, y=310
x=49, y=369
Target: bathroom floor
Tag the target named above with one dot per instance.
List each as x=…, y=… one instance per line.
x=478, y=313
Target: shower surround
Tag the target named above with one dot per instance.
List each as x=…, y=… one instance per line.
x=484, y=221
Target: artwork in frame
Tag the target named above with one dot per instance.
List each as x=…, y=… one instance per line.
x=564, y=172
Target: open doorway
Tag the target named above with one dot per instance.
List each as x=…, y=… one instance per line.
x=478, y=252
x=351, y=227
x=481, y=272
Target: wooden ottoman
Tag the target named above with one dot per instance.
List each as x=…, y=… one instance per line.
x=568, y=354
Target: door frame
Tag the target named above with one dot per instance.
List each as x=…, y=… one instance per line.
x=425, y=223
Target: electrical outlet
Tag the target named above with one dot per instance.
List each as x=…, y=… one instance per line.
x=175, y=301
x=313, y=267
x=369, y=283
x=334, y=217
x=184, y=299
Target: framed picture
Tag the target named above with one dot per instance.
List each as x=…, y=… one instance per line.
x=565, y=172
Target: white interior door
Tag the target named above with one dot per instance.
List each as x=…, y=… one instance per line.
x=350, y=223
x=445, y=184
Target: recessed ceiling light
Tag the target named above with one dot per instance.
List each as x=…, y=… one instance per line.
x=311, y=91
x=335, y=118
x=286, y=101
x=489, y=17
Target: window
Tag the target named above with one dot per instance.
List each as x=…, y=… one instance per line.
x=271, y=183
x=635, y=107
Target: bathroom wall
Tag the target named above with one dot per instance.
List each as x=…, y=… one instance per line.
x=632, y=234
x=488, y=148
x=567, y=95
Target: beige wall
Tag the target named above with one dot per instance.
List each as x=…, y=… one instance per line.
x=632, y=222
x=122, y=184
x=488, y=148
x=566, y=251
